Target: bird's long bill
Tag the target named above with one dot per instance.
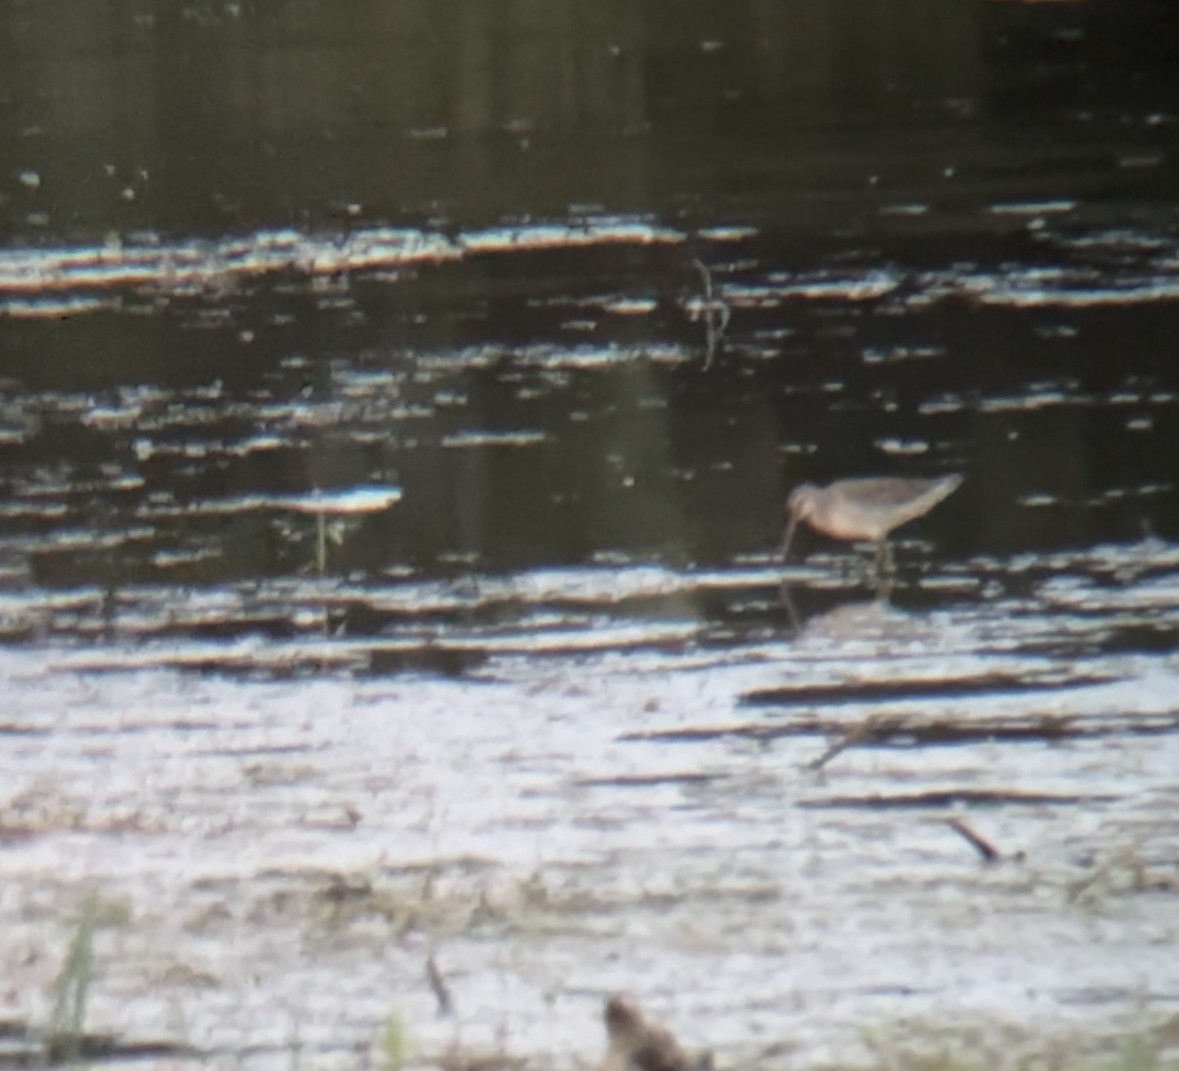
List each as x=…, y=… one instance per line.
x=789, y=536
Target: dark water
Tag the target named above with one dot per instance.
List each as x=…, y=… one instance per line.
x=424, y=382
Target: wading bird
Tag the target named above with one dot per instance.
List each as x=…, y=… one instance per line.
x=867, y=509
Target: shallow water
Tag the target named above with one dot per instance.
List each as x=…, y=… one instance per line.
x=387, y=534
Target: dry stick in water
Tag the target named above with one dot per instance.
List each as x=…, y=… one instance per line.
x=711, y=307
x=438, y=985
x=855, y=735
x=978, y=842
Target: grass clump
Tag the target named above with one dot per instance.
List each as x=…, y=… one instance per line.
x=65, y=1035
x=394, y=1044
x=1000, y=1048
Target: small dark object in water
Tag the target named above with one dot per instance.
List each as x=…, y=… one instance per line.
x=978, y=842
x=637, y=1045
x=439, y=987
x=857, y=734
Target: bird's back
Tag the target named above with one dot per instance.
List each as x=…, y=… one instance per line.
x=871, y=508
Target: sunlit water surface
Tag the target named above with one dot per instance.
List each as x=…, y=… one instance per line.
x=383, y=594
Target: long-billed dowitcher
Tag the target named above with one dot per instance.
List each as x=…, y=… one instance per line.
x=867, y=509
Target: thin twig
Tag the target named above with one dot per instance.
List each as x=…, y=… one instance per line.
x=439, y=987
x=978, y=842
x=857, y=734
x=713, y=309
x=702, y=268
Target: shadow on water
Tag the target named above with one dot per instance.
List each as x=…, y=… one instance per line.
x=396, y=419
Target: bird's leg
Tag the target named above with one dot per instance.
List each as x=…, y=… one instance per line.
x=884, y=561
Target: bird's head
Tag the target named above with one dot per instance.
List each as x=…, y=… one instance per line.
x=802, y=502
x=801, y=505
